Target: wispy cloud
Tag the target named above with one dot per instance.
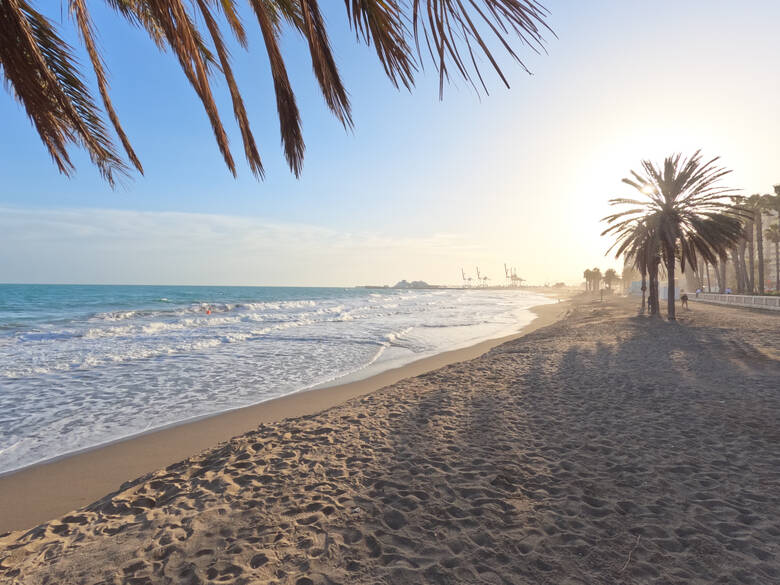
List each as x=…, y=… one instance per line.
x=114, y=246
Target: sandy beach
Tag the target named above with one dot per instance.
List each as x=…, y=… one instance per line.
x=602, y=448
x=26, y=497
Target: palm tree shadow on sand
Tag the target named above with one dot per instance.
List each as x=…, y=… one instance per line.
x=646, y=450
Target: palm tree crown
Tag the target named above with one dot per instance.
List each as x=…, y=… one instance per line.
x=41, y=71
x=684, y=214
x=610, y=276
x=588, y=277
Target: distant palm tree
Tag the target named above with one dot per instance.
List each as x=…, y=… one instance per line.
x=756, y=204
x=687, y=210
x=637, y=241
x=610, y=276
x=42, y=72
x=588, y=279
x=772, y=204
x=773, y=235
x=740, y=248
x=596, y=275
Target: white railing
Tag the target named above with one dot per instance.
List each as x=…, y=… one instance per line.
x=750, y=301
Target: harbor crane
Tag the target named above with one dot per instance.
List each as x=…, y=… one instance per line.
x=481, y=280
x=466, y=279
x=516, y=280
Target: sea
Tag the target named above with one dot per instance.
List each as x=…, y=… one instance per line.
x=82, y=366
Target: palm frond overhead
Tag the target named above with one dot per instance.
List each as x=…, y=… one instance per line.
x=40, y=70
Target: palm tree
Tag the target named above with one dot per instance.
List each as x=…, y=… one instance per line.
x=723, y=259
x=588, y=279
x=739, y=260
x=41, y=70
x=637, y=241
x=707, y=272
x=610, y=276
x=772, y=205
x=597, y=278
x=757, y=204
x=773, y=235
x=687, y=209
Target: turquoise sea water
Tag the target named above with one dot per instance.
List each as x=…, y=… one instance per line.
x=85, y=365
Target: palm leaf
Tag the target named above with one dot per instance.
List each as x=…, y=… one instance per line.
x=39, y=69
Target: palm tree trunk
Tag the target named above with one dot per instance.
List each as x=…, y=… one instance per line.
x=722, y=279
x=777, y=267
x=709, y=282
x=718, y=280
x=751, y=280
x=653, y=301
x=735, y=258
x=670, y=285
x=760, y=248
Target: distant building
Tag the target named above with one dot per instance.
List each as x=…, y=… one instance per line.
x=413, y=284
x=635, y=288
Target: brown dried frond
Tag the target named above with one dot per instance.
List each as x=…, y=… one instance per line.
x=322, y=61
x=138, y=14
x=250, y=148
x=287, y=109
x=38, y=65
x=449, y=25
x=382, y=22
x=183, y=38
x=229, y=9
x=39, y=69
x=79, y=10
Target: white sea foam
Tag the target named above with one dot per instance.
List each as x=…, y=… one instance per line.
x=70, y=384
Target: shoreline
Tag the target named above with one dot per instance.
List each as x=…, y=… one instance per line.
x=365, y=373
x=605, y=447
x=26, y=497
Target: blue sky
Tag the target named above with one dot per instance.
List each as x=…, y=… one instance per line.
x=420, y=187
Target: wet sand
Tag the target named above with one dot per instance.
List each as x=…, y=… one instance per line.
x=604, y=448
x=28, y=497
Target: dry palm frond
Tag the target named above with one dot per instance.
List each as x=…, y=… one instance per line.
x=79, y=10
x=449, y=26
x=39, y=68
x=250, y=148
x=323, y=63
x=40, y=71
x=382, y=22
x=184, y=39
x=286, y=107
x=229, y=9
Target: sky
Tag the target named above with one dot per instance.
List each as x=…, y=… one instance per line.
x=420, y=188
